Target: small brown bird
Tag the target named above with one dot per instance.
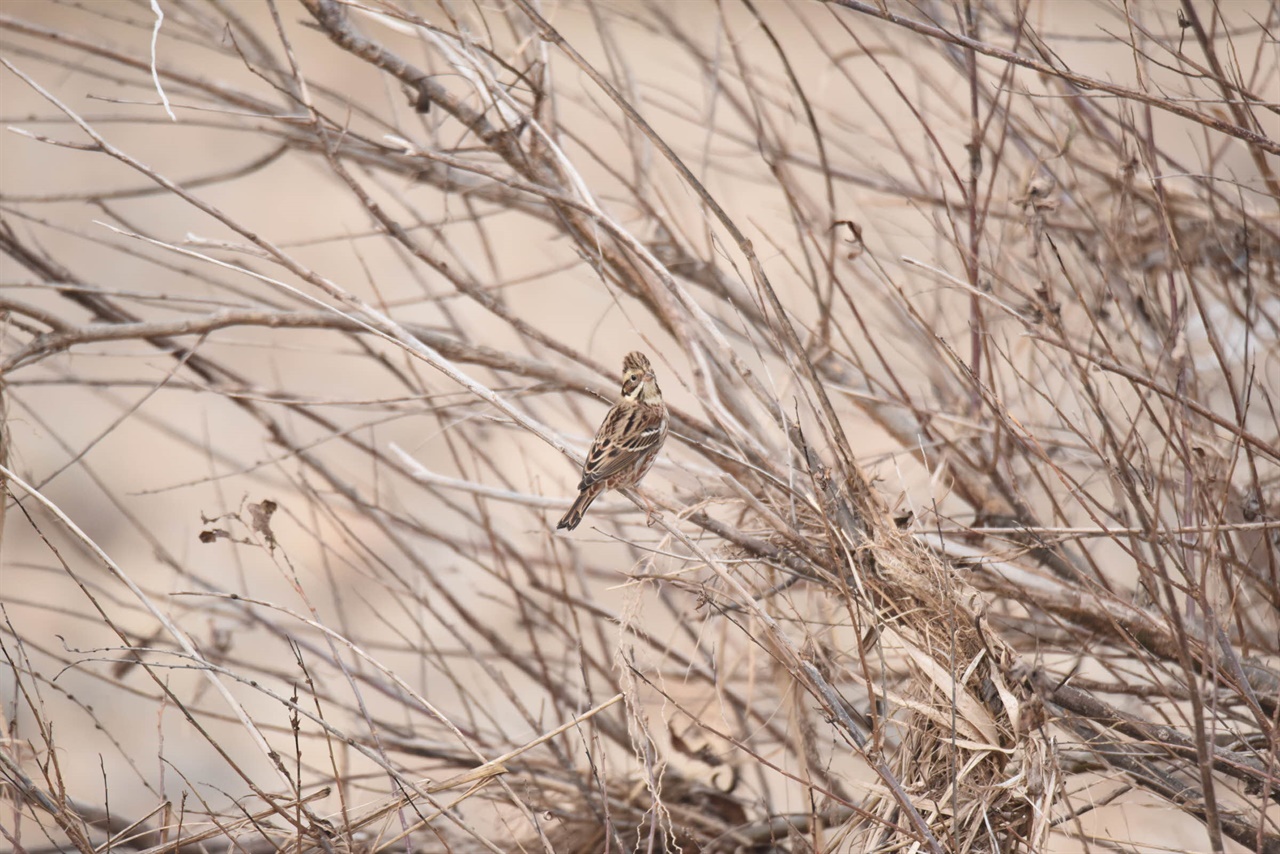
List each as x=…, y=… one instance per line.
x=628, y=440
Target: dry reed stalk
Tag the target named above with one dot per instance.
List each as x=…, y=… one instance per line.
x=969, y=317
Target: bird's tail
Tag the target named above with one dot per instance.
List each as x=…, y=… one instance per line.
x=580, y=505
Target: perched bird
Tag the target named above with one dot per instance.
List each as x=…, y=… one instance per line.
x=628, y=440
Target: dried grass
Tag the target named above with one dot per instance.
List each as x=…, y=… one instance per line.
x=969, y=317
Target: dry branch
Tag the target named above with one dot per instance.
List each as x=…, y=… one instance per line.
x=970, y=320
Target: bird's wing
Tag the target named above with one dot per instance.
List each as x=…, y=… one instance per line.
x=626, y=434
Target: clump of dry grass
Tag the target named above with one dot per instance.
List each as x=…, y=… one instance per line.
x=968, y=317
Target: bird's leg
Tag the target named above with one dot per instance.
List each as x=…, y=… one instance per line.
x=651, y=514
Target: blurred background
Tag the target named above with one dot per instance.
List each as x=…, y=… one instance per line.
x=967, y=315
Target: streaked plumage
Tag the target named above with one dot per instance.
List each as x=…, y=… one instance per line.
x=628, y=440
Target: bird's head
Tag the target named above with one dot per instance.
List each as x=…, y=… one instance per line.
x=638, y=381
